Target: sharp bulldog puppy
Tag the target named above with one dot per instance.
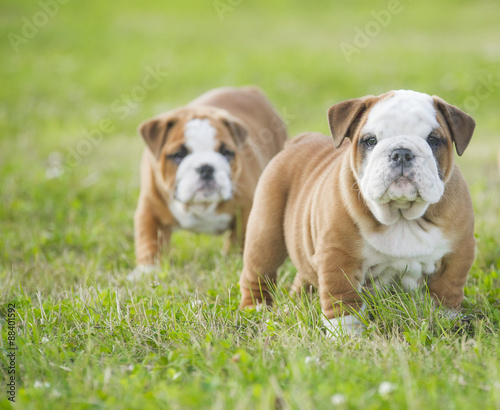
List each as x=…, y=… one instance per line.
x=201, y=165
x=385, y=204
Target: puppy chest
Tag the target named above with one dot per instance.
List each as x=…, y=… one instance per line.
x=405, y=253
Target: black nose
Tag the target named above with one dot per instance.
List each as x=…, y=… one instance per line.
x=206, y=172
x=402, y=157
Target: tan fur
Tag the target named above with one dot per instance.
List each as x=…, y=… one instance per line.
x=245, y=121
x=307, y=205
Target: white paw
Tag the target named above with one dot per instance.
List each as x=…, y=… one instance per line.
x=451, y=314
x=348, y=325
x=140, y=271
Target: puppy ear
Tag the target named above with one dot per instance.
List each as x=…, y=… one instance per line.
x=460, y=124
x=237, y=130
x=344, y=117
x=155, y=132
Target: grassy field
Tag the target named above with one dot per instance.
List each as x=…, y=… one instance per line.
x=77, y=80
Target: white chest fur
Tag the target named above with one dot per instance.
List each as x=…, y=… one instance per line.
x=405, y=251
x=200, y=218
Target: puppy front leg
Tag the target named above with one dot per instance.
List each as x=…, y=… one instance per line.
x=238, y=231
x=339, y=277
x=164, y=239
x=264, y=253
x=245, y=214
x=146, y=235
x=447, y=285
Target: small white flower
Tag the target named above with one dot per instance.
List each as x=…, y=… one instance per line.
x=338, y=399
x=54, y=172
x=54, y=167
x=314, y=360
x=56, y=393
x=196, y=302
x=41, y=385
x=45, y=339
x=386, y=388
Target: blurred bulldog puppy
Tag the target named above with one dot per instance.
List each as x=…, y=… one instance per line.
x=383, y=202
x=201, y=164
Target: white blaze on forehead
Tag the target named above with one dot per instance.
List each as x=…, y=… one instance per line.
x=200, y=135
x=404, y=113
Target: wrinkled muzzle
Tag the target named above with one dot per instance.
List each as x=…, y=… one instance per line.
x=203, y=178
x=401, y=173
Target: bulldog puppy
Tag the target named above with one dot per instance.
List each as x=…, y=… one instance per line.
x=201, y=164
x=383, y=202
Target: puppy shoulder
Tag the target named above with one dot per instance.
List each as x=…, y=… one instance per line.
x=306, y=137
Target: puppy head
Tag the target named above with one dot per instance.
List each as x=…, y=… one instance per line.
x=196, y=151
x=402, y=152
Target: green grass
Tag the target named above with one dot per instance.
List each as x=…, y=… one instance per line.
x=87, y=338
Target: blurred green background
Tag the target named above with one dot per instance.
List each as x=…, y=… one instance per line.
x=72, y=69
x=77, y=79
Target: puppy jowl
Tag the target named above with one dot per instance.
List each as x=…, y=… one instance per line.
x=386, y=205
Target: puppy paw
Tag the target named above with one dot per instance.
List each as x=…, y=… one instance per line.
x=451, y=314
x=140, y=271
x=347, y=325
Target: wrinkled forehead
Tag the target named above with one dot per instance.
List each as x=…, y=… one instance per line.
x=403, y=113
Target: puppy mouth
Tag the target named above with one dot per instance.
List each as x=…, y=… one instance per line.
x=402, y=190
x=206, y=193
x=401, y=193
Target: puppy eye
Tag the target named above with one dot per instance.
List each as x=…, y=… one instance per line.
x=433, y=141
x=226, y=152
x=178, y=156
x=370, y=141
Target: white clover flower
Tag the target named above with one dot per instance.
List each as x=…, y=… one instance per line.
x=338, y=399
x=386, y=388
x=313, y=360
x=41, y=385
x=55, y=165
x=196, y=302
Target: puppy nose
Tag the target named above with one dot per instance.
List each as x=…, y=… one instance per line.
x=206, y=172
x=402, y=157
